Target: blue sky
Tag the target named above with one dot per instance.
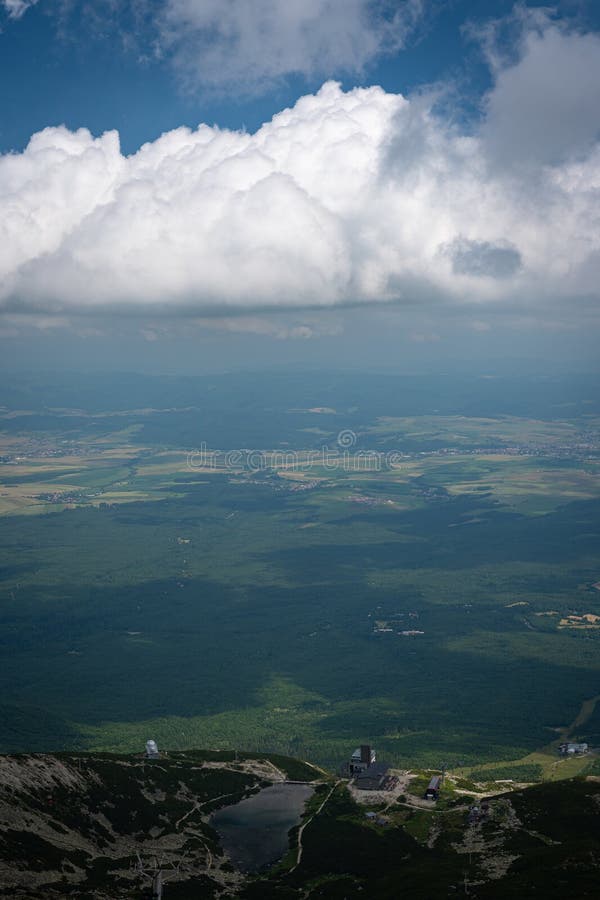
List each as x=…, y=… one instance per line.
x=55, y=71
x=61, y=69
x=460, y=220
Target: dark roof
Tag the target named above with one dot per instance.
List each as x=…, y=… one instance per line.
x=370, y=783
x=375, y=770
x=368, y=779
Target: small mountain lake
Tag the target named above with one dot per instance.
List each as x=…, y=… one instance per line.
x=254, y=832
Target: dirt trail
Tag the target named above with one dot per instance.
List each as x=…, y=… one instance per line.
x=302, y=827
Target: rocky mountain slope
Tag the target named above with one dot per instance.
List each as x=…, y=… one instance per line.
x=105, y=827
x=102, y=826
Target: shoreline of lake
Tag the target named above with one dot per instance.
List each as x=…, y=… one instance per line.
x=255, y=832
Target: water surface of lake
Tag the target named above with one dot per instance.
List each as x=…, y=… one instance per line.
x=254, y=832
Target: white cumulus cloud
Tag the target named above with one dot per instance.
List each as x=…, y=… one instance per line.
x=250, y=44
x=16, y=8
x=546, y=106
x=348, y=197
